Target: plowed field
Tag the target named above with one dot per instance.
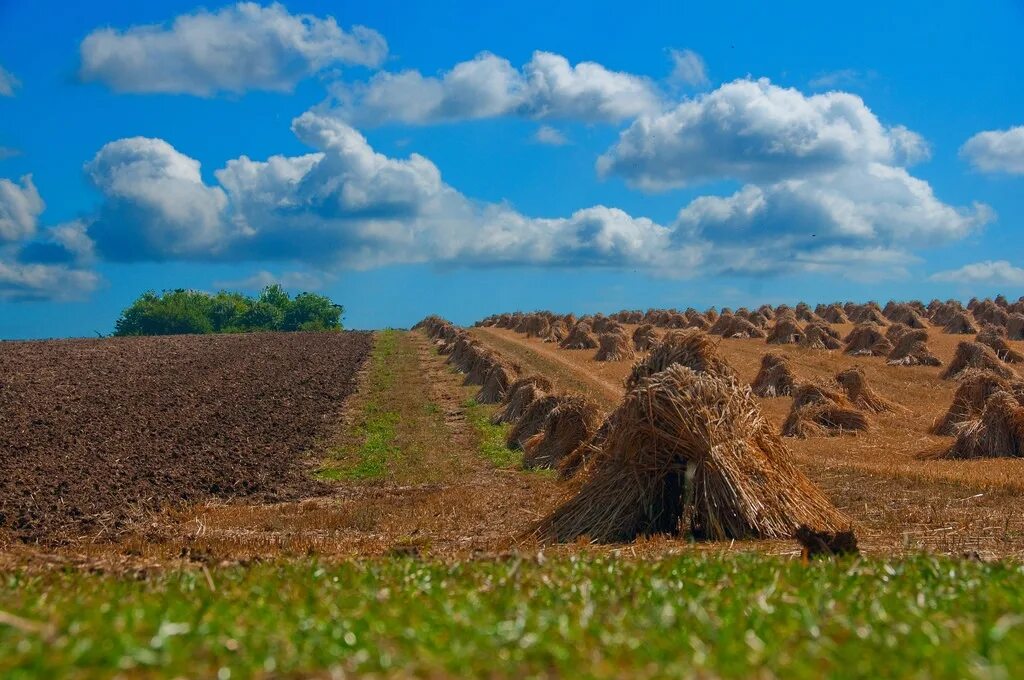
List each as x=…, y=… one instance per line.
x=94, y=433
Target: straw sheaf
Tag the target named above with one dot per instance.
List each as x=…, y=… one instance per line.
x=976, y=355
x=568, y=425
x=691, y=450
x=689, y=347
x=775, y=378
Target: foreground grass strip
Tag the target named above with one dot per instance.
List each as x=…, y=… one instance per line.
x=732, y=616
x=491, y=438
x=377, y=427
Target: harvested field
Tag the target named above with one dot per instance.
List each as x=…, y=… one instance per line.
x=99, y=432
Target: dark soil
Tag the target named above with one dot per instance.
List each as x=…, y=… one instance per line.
x=97, y=433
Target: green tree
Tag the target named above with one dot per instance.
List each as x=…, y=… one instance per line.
x=186, y=311
x=311, y=312
x=173, y=313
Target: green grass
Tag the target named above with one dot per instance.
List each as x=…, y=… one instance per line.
x=730, y=616
x=377, y=429
x=491, y=438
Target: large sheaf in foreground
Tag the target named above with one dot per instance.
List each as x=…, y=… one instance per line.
x=98, y=432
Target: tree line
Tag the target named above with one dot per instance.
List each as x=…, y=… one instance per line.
x=175, y=312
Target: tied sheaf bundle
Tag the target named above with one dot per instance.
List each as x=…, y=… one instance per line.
x=691, y=451
x=518, y=398
x=581, y=336
x=912, y=349
x=820, y=336
x=992, y=336
x=958, y=323
x=997, y=433
x=861, y=394
x=820, y=410
x=614, y=345
x=979, y=356
x=644, y=337
x=571, y=423
x=786, y=331
x=974, y=388
x=867, y=339
x=689, y=347
x=776, y=377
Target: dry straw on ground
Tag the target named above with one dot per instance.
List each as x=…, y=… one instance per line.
x=690, y=451
x=775, y=378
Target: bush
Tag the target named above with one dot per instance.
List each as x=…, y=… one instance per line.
x=187, y=311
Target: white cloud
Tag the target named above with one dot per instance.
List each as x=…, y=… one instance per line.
x=20, y=207
x=344, y=205
x=47, y=268
x=751, y=130
x=8, y=152
x=20, y=282
x=488, y=86
x=551, y=136
x=989, y=271
x=8, y=83
x=159, y=191
x=688, y=68
x=237, y=48
x=347, y=205
x=871, y=204
x=996, y=150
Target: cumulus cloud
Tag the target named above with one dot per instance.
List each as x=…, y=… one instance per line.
x=546, y=134
x=159, y=191
x=488, y=86
x=688, y=68
x=878, y=203
x=996, y=151
x=21, y=282
x=987, y=272
x=752, y=130
x=44, y=267
x=343, y=205
x=68, y=243
x=240, y=47
x=20, y=207
x=8, y=83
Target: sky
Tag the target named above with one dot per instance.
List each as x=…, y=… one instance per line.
x=465, y=158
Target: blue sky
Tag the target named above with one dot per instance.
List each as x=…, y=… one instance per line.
x=576, y=156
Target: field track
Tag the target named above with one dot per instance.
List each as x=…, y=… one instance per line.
x=900, y=501
x=98, y=432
